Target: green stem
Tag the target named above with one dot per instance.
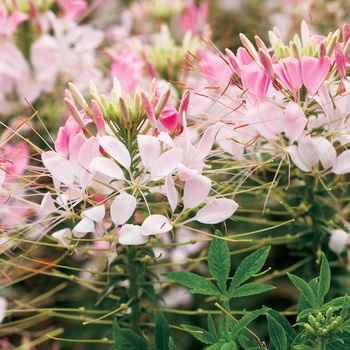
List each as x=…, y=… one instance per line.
x=134, y=291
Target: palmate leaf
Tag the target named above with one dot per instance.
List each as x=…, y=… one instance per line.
x=219, y=261
x=201, y=334
x=249, y=266
x=196, y=284
x=250, y=289
x=162, y=332
x=126, y=339
x=288, y=329
x=244, y=321
x=277, y=333
x=304, y=288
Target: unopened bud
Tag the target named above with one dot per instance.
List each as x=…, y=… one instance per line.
x=329, y=313
x=312, y=320
x=309, y=328
x=163, y=100
x=125, y=113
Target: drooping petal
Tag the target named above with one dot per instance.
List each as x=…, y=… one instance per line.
x=155, y=224
x=122, y=208
x=59, y=167
x=96, y=213
x=196, y=191
x=171, y=192
x=149, y=147
x=294, y=121
x=107, y=167
x=116, y=149
x=63, y=236
x=166, y=163
x=342, y=165
x=131, y=235
x=326, y=152
x=84, y=226
x=216, y=210
x=206, y=143
x=47, y=205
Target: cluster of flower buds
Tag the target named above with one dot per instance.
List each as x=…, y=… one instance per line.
x=323, y=324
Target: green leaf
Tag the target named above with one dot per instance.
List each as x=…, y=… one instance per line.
x=229, y=346
x=345, y=310
x=220, y=346
x=201, y=334
x=219, y=261
x=288, y=329
x=171, y=344
x=336, y=303
x=211, y=327
x=305, y=313
x=244, y=321
x=277, y=333
x=126, y=339
x=304, y=288
x=195, y=283
x=345, y=327
x=162, y=332
x=250, y=289
x=303, y=347
x=324, y=280
x=249, y=267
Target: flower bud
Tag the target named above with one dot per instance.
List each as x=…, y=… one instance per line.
x=309, y=328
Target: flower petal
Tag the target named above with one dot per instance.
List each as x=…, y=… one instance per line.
x=122, y=208
x=63, y=236
x=131, y=235
x=149, y=147
x=196, y=191
x=217, y=210
x=96, y=213
x=116, y=149
x=155, y=224
x=166, y=163
x=84, y=226
x=107, y=167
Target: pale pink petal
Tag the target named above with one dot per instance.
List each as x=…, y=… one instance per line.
x=171, y=192
x=196, y=191
x=314, y=72
x=217, y=210
x=149, y=147
x=166, y=163
x=3, y=308
x=116, y=149
x=255, y=119
x=107, y=167
x=342, y=165
x=206, y=143
x=338, y=241
x=47, y=205
x=155, y=224
x=122, y=208
x=326, y=152
x=294, y=121
x=63, y=236
x=298, y=159
x=84, y=226
x=96, y=213
x=131, y=235
x=60, y=168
